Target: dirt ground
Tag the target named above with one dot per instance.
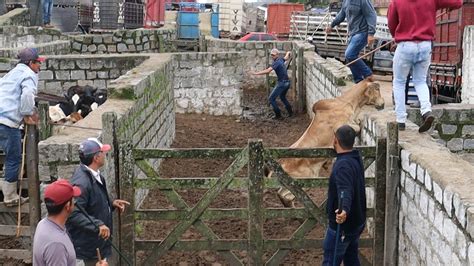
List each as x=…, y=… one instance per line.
x=200, y=131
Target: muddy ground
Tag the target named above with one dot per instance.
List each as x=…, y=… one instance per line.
x=201, y=131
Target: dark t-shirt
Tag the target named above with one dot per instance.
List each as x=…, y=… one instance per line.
x=280, y=69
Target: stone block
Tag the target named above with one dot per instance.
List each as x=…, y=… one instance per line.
x=428, y=182
x=449, y=231
x=438, y=220
x=423, y=202
x=132, y=48
x=114, y=73
x=460, y=246
x=470, y=221
x=97, y=39
x=63, y=75
x=53, y=87
x=78, y=74
x=459, y=209
x=66, y=64
x=83, y=63
x=405, y=156
x=46, y=75
x=470, y=254
x=455, y=144
x=44, y=173
x=438, y=192
x=92, y=48
x=100, y=84
x=431, y=209
x=468, y=144
x=420, y=174
x=410, y=187
x=66, y=171
x=76, y=46
x=97, y=64
x=103, y=74
x=112, y=48
x=468, y=130
x=412, y=170
x=121, y=47
x=448, y=201
x=91, y=74
x=448, y=129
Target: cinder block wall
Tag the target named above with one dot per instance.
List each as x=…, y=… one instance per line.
x=125, y=41
x=435, y=213
x=454, y=126
x=208, y=83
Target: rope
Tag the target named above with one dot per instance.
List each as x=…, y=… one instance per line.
x=63, y=125
x=18, y=227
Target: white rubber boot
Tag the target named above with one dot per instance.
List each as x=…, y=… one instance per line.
x=10, y=196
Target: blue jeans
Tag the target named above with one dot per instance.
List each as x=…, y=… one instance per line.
x=359, y=69
x=10, y=143
x=347, y=249
x=280, y=90
x=47, y=9
x=414, y=56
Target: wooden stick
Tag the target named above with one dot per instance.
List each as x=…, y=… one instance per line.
x=99, y=258
x=22, y=166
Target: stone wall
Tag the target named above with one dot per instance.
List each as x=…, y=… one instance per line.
x=454, y=126
x=125, y=41
x=467, y=94
x=323, y=78
x=434, y=202
x=59, y=73
x=16, y=17
x=208, y=83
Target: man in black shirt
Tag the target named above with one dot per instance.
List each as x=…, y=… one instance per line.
x=348, y=176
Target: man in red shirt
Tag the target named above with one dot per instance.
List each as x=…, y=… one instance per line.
x=412, y=24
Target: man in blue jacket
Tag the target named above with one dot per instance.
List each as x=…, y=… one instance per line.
x=348, y=176
x=18, y=89
x=361, y=22
x=94, y=200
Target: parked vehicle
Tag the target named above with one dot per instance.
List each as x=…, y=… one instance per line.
x=258, y=36
x=279, y=17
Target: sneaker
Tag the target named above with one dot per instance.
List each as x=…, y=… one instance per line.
x=428, y=119
x=401, y=126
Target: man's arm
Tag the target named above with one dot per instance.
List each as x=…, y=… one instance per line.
x=287, y=56
x=370, y=15
x=392, y=17
x=27, y=101
x=344, y=183
x=340, y=17
x=263, y=72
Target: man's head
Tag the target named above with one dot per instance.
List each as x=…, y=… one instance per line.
x=344, y=138
x=58, y=197
x=31, y=58
x=92, y=153
x=274, y=53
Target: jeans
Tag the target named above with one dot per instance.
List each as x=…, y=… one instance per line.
x=280, y=90
x=347, y=248
x=10, y=143
x=47, y=9
x=414, y=56
x=359, y=69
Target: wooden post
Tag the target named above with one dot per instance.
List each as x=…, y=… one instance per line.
x=256, y=220
x=45, y=129
x=32, y=175
x=379, y=192
x=392, y=202
x=127, y=192
x=299, y=87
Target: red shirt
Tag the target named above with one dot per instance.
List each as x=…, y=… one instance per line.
x=414, y=20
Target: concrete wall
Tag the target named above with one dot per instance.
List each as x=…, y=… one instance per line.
x=454, y=127
x=435, y=213
x=16, y=17
x=208, y=83
x=467, y=94
x=125, y=41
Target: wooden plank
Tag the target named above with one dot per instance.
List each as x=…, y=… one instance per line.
x=19, y=254
x=300, y=89
x=289, y=183
x=255, y=202
x=199, y=208
x=31, y=158
x=366, y=151
x=45, y=128
x=197, y=153
x=239, y=244
x=10, y=230
x=380, y=187
x=392, y=203
x=25, y=208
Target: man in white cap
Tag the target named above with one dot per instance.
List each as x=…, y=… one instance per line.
x=92, y=229
x=283, y=83
x=18, y=89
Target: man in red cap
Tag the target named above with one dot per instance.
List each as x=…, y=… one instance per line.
x=92, y=229
x=17, y=93
x=52, y=245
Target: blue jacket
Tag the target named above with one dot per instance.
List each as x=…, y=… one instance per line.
x=347, y=175
x=360, y=14
x=94, y=199
x=17, y=93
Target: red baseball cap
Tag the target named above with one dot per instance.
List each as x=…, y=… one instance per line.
x=61, y=191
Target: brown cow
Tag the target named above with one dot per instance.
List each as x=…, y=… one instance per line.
x=329, y=115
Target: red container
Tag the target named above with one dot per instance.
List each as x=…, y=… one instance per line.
x=279, y=17
x=447, y=52
x=154, y=13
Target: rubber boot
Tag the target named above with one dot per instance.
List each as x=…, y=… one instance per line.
x=286, y=197
x=10, y=196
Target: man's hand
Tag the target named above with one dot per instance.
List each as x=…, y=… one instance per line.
x=341, y=217
x=104, y=232
x=120, y=204
x=328, y=29
x=102, y=263
x=370, y=40
x=31, y=119
x=393, y=47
